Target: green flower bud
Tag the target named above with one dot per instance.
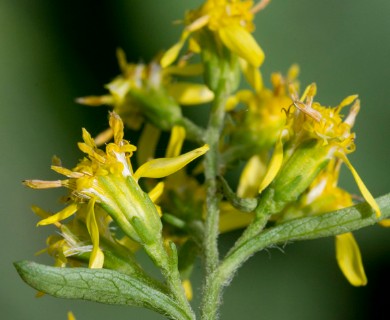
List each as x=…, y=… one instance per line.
x=298, y=172
x=158, y=106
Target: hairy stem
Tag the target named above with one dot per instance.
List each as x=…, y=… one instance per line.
x=210, y=245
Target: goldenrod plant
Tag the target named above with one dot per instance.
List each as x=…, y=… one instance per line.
x=122, y=198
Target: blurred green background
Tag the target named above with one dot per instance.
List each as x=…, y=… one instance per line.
x=54, y=51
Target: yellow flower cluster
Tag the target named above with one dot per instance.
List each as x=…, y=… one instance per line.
x=106, y=179
x=290, y=147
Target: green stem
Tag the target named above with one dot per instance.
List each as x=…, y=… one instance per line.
x=210, y=244
x=259, y=222
x=167, y=262
x=193, y=131
x=211, y=171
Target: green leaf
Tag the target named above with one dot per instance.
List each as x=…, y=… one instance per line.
x=325, y=225
x=99, y=285
x=329, y=224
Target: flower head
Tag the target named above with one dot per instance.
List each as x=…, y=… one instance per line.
x=229, y=21
x=149, y=91
x=313, y=136
x=106, y=179
x=260, y=122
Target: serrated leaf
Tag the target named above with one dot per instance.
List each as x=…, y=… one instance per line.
x=99, y=285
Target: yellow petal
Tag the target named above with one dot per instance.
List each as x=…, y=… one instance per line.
x=59, y=216
x=119, y=88
x=67, y=172
x=91, y=152
x=42, y=184
x=159, y=168
x=348, y=100
x=187, y=289
x=95, y=101
x=43, y=214
x=176, y=140
x=252, y=75
x=96, y=259
x=349, y=259
x=71, y=316
x=156, y=192
x=362, y=187
x=293, y=72
x=116, y=125
x=194, y=46
x=89, y=141
x=104, y=136
x=310, y=91
x=241, y=42
x=40, y=212
x=231, y=103
x=385, y=223
x=194, y=69
x=147, y=143
x=198, y=23
x=187, y=93
x=250, y=178
x=172, y=53
x=122, y=61
x=233, y=219
x=274, y=164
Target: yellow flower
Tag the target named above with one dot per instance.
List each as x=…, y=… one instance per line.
x=230, y=21
x=260, y=123
x=313, y=135
x=106, y=178
x=149, y=91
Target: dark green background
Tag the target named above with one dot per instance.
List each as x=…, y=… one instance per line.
x=54, y=51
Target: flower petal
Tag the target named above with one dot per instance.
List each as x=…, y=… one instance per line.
x=172, y=53
x=194, y=69
x=159, y=168
x=176, y=140
x=43, y=184
x=241, y=42
x=252, y=75
x=385, y=223
x=59, y=216
x=71, y=316
x=147, y=143
x=187, y=93
x=43, y=214
x=116, y=124
x=104, y=136
x=347, y=101
x=187, y=289
x=362, y=187
x=96, y=259
x=233, y=219
x=349, y=259
x=250, y=178
x=156, y=192
x=274, y=164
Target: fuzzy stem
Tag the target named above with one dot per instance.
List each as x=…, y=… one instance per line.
x=211, y=255
x=167, y=262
